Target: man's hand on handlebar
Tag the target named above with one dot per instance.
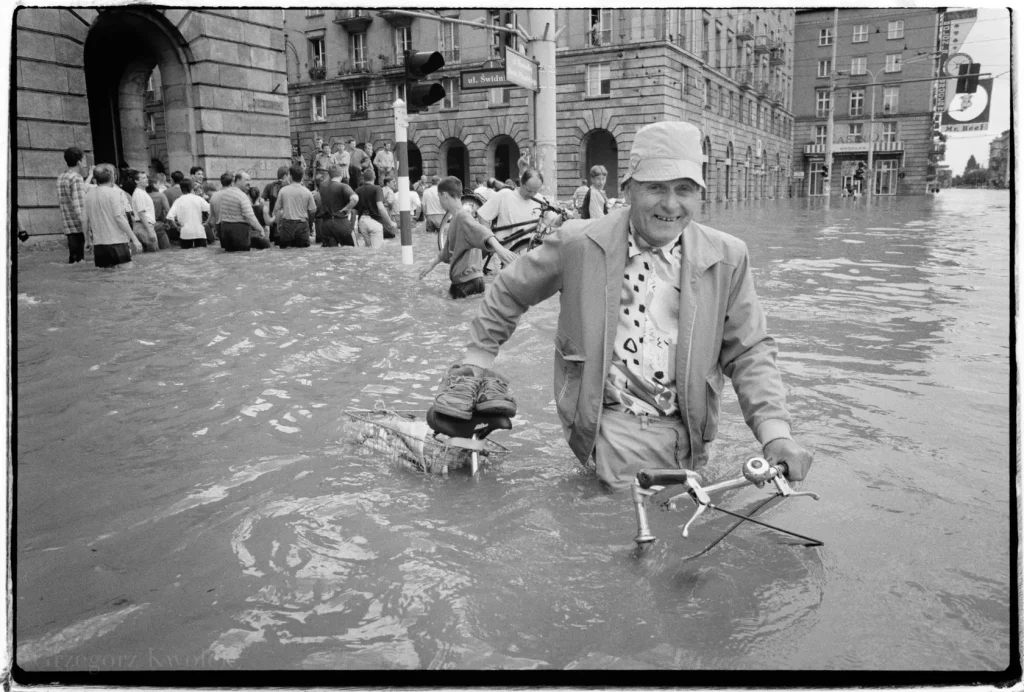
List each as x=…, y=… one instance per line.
x=797, y=459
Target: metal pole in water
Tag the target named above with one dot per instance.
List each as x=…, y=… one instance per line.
x=402, y=147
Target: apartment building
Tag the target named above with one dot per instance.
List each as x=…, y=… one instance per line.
x=883, y=99
x=999, y=159
x=726, y=70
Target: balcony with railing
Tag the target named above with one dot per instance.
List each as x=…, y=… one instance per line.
x=761, y=44
x=705, y=54
x=392, y=61
x=777, y=53
x=937, y=152
x=746, y=79
x=777, y=96
x=745, y=31
x=353, y=20
x=317, y=69
x=356, y=70
x=761, y=87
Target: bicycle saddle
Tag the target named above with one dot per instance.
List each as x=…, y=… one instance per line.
x=481, y=425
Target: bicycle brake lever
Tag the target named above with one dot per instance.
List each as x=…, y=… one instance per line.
x=786, y=491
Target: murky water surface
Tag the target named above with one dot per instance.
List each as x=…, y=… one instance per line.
x=186, y=489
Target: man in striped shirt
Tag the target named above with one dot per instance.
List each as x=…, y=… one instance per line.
x=71, y=195
x=239, y=227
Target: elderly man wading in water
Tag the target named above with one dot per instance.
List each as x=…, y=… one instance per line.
x=655, y=309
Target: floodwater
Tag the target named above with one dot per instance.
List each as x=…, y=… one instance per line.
x=188, y=496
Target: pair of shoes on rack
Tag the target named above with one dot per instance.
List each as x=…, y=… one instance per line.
x=463, y=393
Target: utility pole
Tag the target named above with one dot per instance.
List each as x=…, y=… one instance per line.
x=542, y=45
x=827, y=188
x=542, y=50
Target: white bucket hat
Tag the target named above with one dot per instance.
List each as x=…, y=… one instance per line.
x=666, y=151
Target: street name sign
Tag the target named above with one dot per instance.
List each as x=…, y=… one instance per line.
x=521, y=70
x=484, y=79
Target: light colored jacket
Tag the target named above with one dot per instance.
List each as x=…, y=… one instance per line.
x=722, y=328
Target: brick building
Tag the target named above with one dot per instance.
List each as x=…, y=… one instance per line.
x=880, y=112
x=728, y=71
x=219, y=100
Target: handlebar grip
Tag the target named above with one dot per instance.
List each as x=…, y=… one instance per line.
x=783, y=468
x=649, y=477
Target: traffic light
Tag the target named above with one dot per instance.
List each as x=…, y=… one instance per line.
x=967, y=82
x=417, y=66
x=824, y=172
x=861, y=167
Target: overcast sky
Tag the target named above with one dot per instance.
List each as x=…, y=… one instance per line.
x=989, y=44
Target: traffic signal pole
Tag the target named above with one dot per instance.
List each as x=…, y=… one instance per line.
x=542, y=45
x=404, y=210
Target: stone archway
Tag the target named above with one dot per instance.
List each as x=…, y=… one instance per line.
x=453, y=159
x=503, y=158
x=705, y=193
x=122, y=48
x=599, y=148
x=728, y=171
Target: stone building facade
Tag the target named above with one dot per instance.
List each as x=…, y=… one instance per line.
x=81, y=80
x=883, y=101
x=728, y=71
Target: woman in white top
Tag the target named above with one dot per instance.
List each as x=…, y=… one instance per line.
x=187, y=212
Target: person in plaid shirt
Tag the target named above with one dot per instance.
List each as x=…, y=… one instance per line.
x=71, y=195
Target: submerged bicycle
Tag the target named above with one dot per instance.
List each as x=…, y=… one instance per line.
x=520, y=237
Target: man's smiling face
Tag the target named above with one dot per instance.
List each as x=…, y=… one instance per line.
x=660, y=210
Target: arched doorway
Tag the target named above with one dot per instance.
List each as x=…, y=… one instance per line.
x=747, y=170
x=454, y=160
x=728, y=171
x=601, y=149
x=122, y=48
x=415, y=163
x=706, y=151
x=503, y=158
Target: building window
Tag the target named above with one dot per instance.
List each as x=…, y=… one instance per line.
x=718, y=48
x=151, y=123
x=448, y=41
x=400, y=91
x=750, y=113
x=856, y=132
x=315, y=12
x=707, y=94
x=896, y=29
x=451, y=97
x=317, y=52
x=857, y=103
x=359, y=100
x=891, y=100
x=820, y=134
x=149, y=83
x=860, y=33
x=494, y=19
x=821, y=103
x=600, y=27
x=888, y=132
x=684, y=82
x=599, y=81
x=500, y=96
x=894, y=62
x=824, y=68
x=319, y=108
x=858, y=66
x=735, y=106
x=357, y=51
x=825, y=37
x=403, y=40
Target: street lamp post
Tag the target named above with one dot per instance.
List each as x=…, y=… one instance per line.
x=871, y=139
